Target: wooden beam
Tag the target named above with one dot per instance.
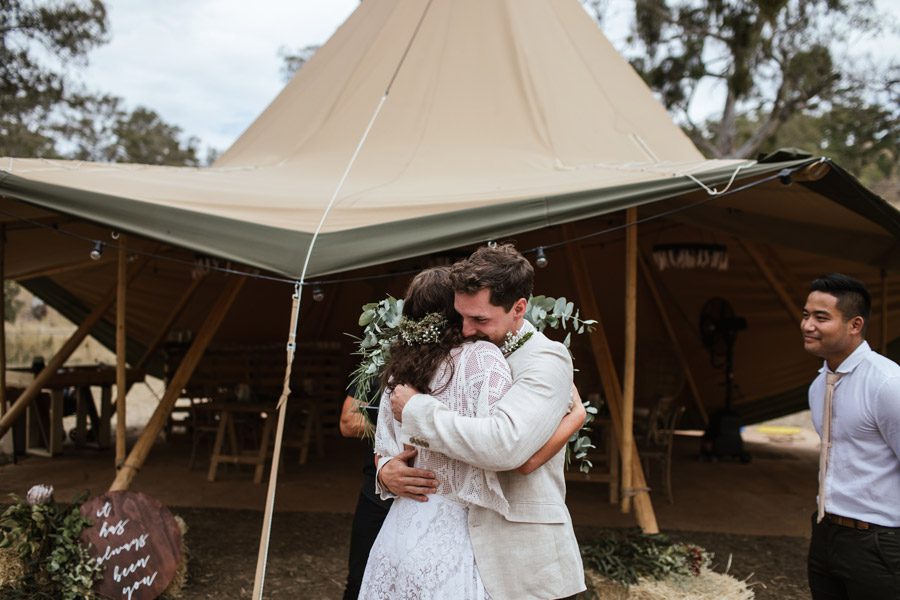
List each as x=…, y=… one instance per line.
x=60, y=269
x=32, y=391
x=121, y=385
x=790, y=305
x=609, y=377
x=210, y=326
x=630, y=351
x=3, y=322
x=163, y=331
x=676, y=344
x=884, y=312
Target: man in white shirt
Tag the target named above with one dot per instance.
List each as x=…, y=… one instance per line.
x=854, y=552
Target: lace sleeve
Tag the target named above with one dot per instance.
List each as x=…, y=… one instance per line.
x=488, y=377
x=387, y=430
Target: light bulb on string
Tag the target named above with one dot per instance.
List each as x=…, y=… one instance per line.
x=318, y=294
x=97, y=250
x=540, y=258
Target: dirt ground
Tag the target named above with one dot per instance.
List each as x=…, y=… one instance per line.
x=308, y=556
x=754, y=517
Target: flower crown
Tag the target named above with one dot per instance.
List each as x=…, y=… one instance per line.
x=426, y=330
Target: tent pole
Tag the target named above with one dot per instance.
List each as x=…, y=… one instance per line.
x=32, y=391
x=609, y=378
x=630, y=351
x=676, y=344
x=3, y=405
x=121, y=386
x=884, y=312
x=142, y=447
x=173, y=316
x=790, y=305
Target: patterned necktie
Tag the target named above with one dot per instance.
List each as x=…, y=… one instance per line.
x=830, y=380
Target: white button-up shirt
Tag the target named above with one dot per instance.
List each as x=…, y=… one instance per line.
x=863, y=476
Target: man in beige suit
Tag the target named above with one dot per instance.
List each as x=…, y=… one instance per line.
x=532, y=552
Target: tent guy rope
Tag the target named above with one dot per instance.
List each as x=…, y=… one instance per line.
x=262, y=558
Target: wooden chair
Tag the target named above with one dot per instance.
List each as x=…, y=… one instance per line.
x=656, y=444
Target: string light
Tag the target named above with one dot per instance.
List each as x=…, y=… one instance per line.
x=318, y=294
x=97, y=250
x=541, y=259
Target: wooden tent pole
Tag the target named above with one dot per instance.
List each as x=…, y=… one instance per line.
x=630, y=351
x=790, y=305
x=676, y=344
x=3, y=405
x=32, y=391
x=173, y=316
x=121, y=386
x=884, y=312
x=644, y=513
x=142, y=447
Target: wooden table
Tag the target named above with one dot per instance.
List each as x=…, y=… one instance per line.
x=44, y=423
x=605, y=459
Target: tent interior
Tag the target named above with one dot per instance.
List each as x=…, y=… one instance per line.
x=793, y=232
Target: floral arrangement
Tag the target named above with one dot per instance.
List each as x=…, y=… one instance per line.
x=383, y=324
x=44, y=537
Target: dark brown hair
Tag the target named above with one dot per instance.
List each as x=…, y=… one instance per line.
x=501, y=269
x=429, y=292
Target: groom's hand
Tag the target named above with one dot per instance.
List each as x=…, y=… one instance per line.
x=399, y=397
x=405, y=481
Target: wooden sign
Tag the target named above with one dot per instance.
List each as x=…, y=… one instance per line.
x=136, y=540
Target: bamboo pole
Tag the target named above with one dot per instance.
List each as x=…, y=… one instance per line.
x=884, y=313
x=167, y=325
x=210, y=326
x=609, y=377
x=32, y=391
x=676, y=344
x=789, y=304
x=630, y=351
x=121, y=385
x=3, y=405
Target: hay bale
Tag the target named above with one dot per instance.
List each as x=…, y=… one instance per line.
x=11, y=568
x=175, y=591
x=708, y=585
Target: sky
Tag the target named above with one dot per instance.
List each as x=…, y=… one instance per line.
x=208, y=66
x=211, y=66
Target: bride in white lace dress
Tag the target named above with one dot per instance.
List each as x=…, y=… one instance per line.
x=423, y=550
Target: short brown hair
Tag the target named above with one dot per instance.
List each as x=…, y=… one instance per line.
x=501, y=269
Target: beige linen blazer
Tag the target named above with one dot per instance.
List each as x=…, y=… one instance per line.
x=531, y=553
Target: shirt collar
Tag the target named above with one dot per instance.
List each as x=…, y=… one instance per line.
x=852, y=361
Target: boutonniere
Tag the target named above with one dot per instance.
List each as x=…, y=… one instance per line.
x=514, y=341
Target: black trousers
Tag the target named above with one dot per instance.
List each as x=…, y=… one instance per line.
x=853, y=564
x=367, y=521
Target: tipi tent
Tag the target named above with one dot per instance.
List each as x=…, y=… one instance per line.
x=425, y=126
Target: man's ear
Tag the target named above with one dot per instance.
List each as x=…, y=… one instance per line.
x=857, y=324
x=518, y=309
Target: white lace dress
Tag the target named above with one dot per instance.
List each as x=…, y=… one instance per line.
x=423, y=551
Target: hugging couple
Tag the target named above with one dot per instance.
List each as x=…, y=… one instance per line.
x=470, y=439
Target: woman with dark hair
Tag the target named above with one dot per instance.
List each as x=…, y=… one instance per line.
x=423, y=549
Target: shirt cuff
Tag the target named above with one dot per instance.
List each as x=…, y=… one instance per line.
x=382, y=491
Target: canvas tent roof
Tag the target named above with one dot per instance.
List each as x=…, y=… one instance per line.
x=503, y=117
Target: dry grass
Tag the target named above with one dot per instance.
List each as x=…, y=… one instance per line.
x=708, y=585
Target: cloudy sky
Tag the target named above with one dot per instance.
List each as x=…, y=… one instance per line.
x=211, y=66
x=208, y=66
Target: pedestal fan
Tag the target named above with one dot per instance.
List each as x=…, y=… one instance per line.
x=719, y=327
